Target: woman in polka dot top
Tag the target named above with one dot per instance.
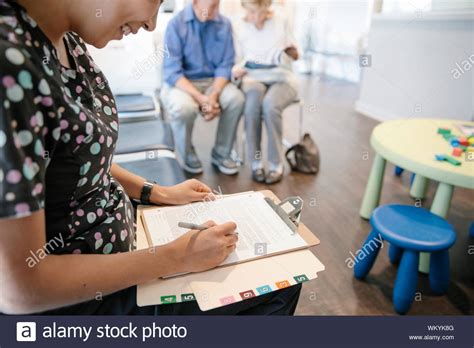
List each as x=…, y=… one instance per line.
x=66, y=219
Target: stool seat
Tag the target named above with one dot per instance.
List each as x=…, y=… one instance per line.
x=413, y=228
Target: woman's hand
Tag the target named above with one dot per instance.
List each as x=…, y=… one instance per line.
x=186, y=192
x=292, y=52
x=199, y=251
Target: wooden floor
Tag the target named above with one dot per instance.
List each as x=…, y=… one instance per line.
x=336, y=193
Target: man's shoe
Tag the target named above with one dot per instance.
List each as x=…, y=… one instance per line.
x=273, y=177
x=192, y=164
x=226, y=166
x=258, y=175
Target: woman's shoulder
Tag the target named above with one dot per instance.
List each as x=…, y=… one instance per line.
x=17, y=59
x=20, y=46
x=9, y=25
x=241, y=26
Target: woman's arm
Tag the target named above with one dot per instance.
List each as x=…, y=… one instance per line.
x=185, y=192
x=132, y=183
x=62, y=280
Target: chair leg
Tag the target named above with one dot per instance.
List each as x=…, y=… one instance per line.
x=439, y=272
x=406, y=282
x=300, y=122
x=394, y=253
x=370, y=250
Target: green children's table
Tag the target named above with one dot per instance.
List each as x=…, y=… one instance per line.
x=412, y=144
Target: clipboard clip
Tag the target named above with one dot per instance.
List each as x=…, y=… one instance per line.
x=289, y=210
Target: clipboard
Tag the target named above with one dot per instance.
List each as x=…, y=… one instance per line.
x=231, y=283
x=273, y=201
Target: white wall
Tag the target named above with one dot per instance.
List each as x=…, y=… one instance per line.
x=414, y=62
x=336, y=30
x=133, y=64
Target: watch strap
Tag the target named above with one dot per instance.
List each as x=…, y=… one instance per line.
x=146, y=192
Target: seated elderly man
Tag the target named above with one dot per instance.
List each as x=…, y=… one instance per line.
x=197, y=73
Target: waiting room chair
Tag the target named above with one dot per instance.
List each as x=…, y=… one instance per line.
x=145, y=144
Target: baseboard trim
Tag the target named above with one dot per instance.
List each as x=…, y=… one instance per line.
x=375, y=112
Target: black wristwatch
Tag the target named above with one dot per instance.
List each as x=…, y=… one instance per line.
x=146, y=192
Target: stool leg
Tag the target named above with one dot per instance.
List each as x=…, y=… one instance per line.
x=394, y=253
x=406, y=282
x=374, y=187
x=370, y=249
x=440, y=206
x=439, y=272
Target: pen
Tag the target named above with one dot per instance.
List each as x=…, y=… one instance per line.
x=192, y=226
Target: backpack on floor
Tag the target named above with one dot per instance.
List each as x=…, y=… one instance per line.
x=304, y=156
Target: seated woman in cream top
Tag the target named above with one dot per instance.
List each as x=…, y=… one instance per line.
x=265, y=50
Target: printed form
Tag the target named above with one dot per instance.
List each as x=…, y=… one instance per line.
x=261, y=231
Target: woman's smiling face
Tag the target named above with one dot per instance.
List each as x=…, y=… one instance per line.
x=101, y=21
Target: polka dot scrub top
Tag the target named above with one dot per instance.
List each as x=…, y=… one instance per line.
x=58, y=130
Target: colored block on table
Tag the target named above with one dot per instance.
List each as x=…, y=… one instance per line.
x=454, y=142
x=470, y=140
x=444, y=131
x=457, y=151
x=440, y=157
x=452, y=160
x=463, y=141
x=448, y=137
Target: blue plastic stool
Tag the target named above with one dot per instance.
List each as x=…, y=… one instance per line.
x=397, y=171
x=409, y=230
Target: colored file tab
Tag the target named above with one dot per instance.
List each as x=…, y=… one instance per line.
x=187, y=297
x=282, y=284
x=227, y=300
x=168, y=299
x=247, y=294
x=264, y=289
x=301, y=278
